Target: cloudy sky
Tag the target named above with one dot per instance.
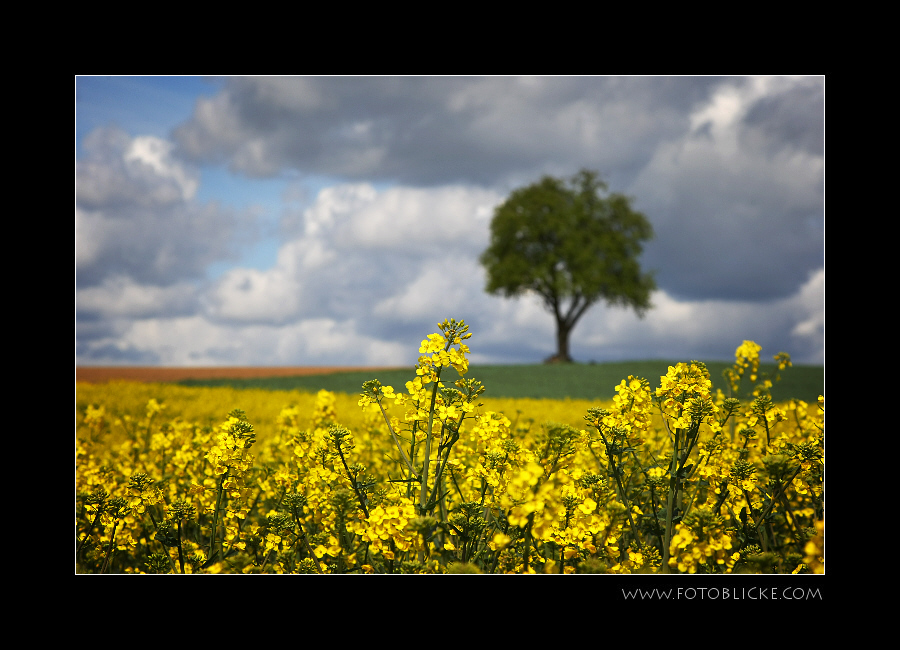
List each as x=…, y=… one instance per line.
x=336, y=220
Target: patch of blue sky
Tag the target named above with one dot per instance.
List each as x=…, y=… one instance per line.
x=138, y=105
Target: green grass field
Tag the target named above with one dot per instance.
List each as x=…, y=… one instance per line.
x=575, y=381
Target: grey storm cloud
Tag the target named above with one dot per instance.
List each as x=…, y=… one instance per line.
x=438, y=130
x=135, y=217
x=791, y=118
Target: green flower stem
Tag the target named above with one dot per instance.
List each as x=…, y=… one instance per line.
x=436, y=495
x=90, y=528
x=306, y=541
x=671, y=499
x=393, y=550
x=180, y=552
x=778, y=492
x=527, y=552
x=693, y=438
x=790, y=517
x=439, y=473
x=423, y=492
x=109, y=550
x=359, y=496
x=265, y=563
x=215, y=523
x=655, y=505
x=622, y=494
x=634, y=530
x=409, y=466
x=817, y=503
x=723, y=494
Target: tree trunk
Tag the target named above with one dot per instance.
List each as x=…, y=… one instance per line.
x=563, y=330
x=565, y=322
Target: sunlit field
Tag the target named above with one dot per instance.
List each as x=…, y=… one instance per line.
x=435, y=476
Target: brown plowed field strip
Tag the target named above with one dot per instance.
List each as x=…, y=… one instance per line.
x=97, y=374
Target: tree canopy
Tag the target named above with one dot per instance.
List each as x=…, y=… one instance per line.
x=573, y=244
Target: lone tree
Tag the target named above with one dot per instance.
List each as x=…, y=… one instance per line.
x=573, y=244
